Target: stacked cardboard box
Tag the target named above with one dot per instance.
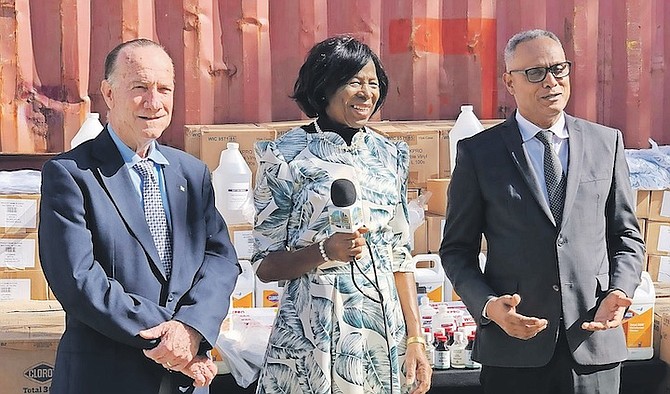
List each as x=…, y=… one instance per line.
x=653, y=211
x=29, y=336
x=21, y=276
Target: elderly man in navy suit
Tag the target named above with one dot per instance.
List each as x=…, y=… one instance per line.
x=132, y=245
x=551, y=194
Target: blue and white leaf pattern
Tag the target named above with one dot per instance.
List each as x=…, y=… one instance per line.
x=328, y=337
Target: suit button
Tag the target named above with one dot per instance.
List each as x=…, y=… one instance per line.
x=555, y=287
x=170, y=298
x=561, y=241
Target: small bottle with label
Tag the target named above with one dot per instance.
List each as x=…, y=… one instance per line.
x=469, y=362
x=442, y=356
x=430, y=349
x=457, y=350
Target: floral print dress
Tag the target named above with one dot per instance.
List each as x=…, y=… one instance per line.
x=328, y=336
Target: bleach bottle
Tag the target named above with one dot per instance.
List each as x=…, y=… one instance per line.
x=466, y=126
x=429, y=273
x=638, y=323
x=232, y=187
x=244, y=292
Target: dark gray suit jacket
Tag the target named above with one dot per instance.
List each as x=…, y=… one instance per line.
x=556, y=271
x=101, y=263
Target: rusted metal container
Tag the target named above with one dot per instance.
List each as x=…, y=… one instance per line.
x=236, y=60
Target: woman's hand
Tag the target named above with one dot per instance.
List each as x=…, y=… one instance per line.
x=418, y=370
x=344, y=246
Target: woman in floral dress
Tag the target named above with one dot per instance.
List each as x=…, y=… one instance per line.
x=348, y=319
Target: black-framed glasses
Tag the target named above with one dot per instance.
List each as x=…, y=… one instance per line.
x=538, y=74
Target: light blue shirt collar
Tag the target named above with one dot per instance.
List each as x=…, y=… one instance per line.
x=528, y=129
x=130, y=158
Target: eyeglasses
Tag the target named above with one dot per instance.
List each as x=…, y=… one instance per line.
x=538, y=74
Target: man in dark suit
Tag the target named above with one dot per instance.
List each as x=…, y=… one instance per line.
x=132, y=245
x=564, y=247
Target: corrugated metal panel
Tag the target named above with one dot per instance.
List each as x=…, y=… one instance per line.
x=236, y=60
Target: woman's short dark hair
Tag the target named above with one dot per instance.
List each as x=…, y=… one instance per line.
x=329, y=65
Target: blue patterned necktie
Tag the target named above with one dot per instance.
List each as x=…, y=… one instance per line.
x=154, y=213
x=553, y=176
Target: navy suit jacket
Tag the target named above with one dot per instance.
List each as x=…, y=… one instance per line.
x=558, y=272
x=101, y=263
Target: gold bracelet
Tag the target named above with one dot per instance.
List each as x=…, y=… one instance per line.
x=421, y=340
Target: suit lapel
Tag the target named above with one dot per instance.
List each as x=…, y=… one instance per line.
x=575, y=158
x=512, y=137
x=176, y=189
x=116, y=181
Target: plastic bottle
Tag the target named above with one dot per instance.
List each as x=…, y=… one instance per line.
x=466, y=126
x=469, y=362
x=232, y=186
x=88, y=130
x=426, y=312
x=457, y=350
x=432, y=278
x=442, y=318
x=430, y=349
x=638, y=323
x=244, y=292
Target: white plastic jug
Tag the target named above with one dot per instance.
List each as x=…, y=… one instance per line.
x=88, y=130
x=466, y=125
x=232, y=186
x=638, y=324
x=429, y=273
x=244, y=293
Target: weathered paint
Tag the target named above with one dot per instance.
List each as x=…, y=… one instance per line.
x=236, y=60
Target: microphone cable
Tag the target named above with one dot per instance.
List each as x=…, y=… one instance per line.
x=375, y=285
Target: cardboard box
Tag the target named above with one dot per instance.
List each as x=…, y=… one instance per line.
x=657, y=238
x=207, y=141
x=643, y=227
x=662, y=290
x=659, y=268
x=437, y=204
x=661, y=346
x=444, y=127
x=23, y=285
x=18, y=251
x=423, y=147
x=19, y=213
x=29, y=336
x=420, y=240
x=642, y=202
x=435, y=228
x=659, y=205
x=282, y=127
x=242, y=238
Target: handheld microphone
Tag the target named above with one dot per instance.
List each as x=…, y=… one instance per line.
x=346, y=216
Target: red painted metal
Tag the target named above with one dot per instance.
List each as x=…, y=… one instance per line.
x=236, y=60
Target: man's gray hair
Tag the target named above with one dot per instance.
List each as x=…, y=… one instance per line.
x=524, y=36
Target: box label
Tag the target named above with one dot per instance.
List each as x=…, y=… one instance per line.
x=663, y=239
x=243, y=240
x=18, y=213
x=14, y=289
x=17, y=253
x=665, y=205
